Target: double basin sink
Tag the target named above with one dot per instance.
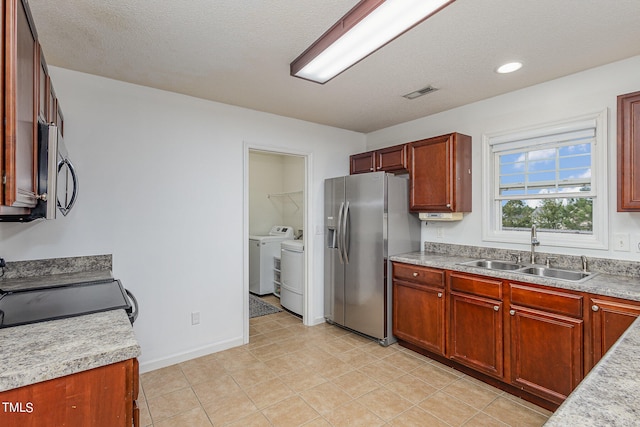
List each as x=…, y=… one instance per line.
x=532, y=270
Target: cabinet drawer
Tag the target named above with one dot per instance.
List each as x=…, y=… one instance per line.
x=546, y=299
x=480, y=286
x=422, y=275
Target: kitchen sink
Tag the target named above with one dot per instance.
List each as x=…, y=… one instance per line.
x=531, y=270
x=494, y=265
x=556, y=273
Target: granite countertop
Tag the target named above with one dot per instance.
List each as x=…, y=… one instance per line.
x=600, y=284
x=608, y=395
x=47, y=350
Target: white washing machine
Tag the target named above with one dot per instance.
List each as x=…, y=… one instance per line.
x=292, y=275
x=262, y=251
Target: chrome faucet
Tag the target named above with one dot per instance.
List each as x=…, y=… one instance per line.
x=534, y=242
x=585, y=265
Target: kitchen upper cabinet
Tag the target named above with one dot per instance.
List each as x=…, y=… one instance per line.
x=476, y=323
x=629, y=152
x=391, y=159
x=610, y=317
x=21, y=70
x=100, y=397
x=440, y=174
x=546, y=341
x=362, y=162
x=419, y=306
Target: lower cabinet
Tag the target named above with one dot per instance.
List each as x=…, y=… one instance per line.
x=100, y=397
x=546, y=341
x=419, y=306
x=610, y=317
x=476, y=323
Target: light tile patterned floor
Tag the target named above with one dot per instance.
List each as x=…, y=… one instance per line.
x=293, y=375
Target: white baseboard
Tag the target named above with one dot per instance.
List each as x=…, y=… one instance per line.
x=152, y=365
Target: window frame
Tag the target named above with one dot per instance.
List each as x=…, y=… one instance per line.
x=492, y=222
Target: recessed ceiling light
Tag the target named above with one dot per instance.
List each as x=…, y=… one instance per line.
x=509, y=67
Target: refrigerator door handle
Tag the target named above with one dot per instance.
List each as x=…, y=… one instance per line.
x=345, y=233
x=339, y=233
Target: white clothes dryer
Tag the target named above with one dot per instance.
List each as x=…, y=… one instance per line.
x=262, y=251
x=292, y=275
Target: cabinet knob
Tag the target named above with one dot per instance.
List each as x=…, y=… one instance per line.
x=595, y=307
x=512, y=312
x=496, y=308
x=439, y=294
x=415, y=274
x=448, y=205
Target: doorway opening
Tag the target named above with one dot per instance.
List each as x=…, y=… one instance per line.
x=276, y=202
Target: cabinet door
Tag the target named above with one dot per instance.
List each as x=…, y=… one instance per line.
x=629, y=152
x=418, y=315
x=362, y=162
x=22, y=63
x=101, y=397
x=609, y=320
x=546, y=353
x=392, y=159
x=475, y=333
x=440, y=174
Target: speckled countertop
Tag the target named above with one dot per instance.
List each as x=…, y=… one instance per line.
x=43, y=351
x=610, y=394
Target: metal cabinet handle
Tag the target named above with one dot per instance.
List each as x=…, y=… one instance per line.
x=415, y=274
x=595, y=307
x=439, y=294
x=496, y=308
x=512, y=312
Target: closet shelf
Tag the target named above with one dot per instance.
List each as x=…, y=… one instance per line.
x=288, y=195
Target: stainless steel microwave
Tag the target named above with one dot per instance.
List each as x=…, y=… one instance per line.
x=57, y=181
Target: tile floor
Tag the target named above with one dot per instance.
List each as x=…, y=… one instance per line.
x=293, y=375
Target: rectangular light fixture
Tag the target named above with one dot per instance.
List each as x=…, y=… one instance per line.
x=367, y=27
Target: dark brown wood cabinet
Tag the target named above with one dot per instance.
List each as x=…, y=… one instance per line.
x=610, y=317
x=546, y=329
x=391, y=159
x=100, y=397
x=21, y=72
x=629, y=152
x=419, y=306
x=440, y=174
x=362, y=162
x=476, y=323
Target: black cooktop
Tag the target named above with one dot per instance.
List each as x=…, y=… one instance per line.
x=49, y=303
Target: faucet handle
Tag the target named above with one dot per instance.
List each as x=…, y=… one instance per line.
x=547, y=262
x=585, y=263
x=517, y=256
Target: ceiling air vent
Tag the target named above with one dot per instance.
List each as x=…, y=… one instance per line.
x=420, y=92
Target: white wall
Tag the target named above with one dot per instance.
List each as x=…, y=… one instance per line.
x=161, y=188
x=272, y=173
x=586, y=92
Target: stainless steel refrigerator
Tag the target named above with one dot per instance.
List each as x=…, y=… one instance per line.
x=367, y=220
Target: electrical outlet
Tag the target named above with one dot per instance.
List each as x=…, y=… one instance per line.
x=195, y=318
x=621, y=242
x=636, y=242
x=440, y=232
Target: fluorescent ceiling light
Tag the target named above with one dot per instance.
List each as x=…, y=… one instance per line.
x=509, y=67
x=367, y=27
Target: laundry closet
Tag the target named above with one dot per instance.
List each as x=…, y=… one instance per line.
x=276, y=231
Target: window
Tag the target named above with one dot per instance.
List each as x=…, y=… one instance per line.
x=552, y=176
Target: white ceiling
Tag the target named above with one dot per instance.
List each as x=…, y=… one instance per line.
x=238, y=51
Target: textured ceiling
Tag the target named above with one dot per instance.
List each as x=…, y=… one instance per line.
x=238, y=52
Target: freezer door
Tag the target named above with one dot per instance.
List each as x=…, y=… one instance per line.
x=364, y=240
x=333, y=260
